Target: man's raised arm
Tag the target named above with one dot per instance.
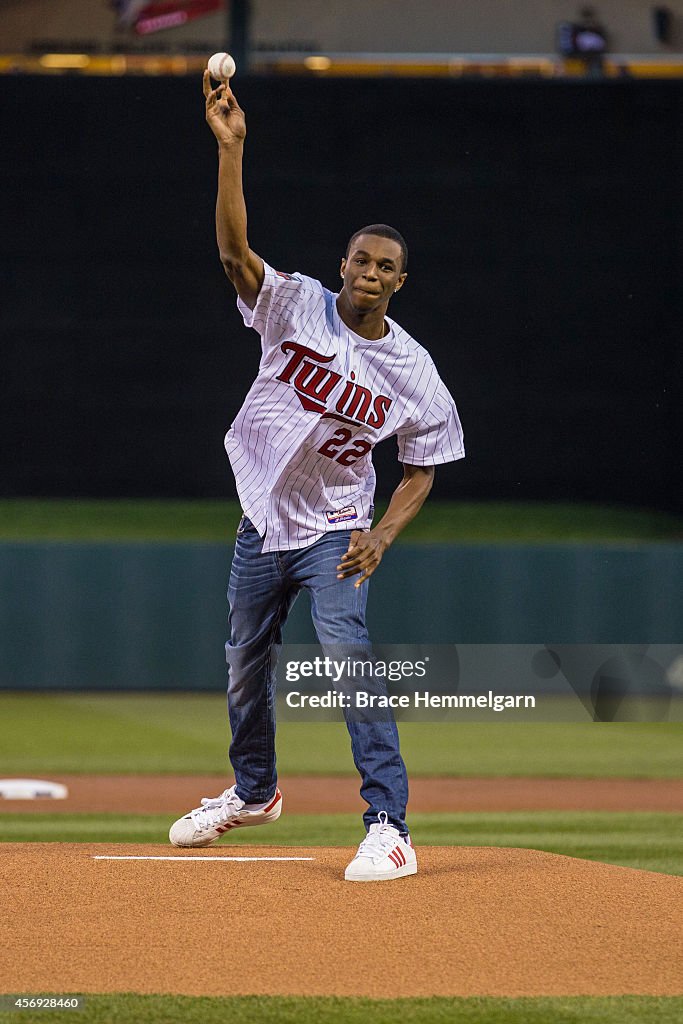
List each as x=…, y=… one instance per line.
x=226, y=120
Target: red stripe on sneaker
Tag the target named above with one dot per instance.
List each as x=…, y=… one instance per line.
x=400, y=854
x=278, y=796
x=394, y=859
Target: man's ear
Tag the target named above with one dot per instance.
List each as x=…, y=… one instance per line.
x=401, y=281
x=342, y=267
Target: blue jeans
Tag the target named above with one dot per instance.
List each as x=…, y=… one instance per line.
x=261, y=591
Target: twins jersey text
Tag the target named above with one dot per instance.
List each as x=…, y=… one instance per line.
x=300, y=446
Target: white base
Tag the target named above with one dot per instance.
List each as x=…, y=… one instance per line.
x=31, y=789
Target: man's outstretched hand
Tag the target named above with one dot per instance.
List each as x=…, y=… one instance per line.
x=224, y=115
x=363, y=555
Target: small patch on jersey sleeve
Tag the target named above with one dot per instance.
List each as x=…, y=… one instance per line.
x=287, y=277
x=342, y=515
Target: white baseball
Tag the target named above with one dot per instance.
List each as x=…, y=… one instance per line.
x=221, y=67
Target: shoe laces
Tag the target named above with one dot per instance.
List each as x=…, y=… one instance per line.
x=380, y=840
x=216, y=809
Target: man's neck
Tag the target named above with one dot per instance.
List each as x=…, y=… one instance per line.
x=370, y=325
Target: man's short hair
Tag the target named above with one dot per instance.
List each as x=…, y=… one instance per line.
x=384, y=231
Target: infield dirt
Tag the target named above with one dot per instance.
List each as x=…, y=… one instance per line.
x=474, y=921
x=304, y=794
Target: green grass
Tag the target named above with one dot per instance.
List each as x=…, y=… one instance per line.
x=188, y=733
x=135, y=1009
x=439, y=521
x=650, y=841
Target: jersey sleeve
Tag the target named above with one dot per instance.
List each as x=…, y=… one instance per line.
x=280, y=305
x=437, y=437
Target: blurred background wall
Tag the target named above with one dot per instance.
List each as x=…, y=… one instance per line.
x=543, y=217
x=542, y=221
x=466, y=26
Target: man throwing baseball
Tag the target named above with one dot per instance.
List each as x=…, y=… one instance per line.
x=336, y=376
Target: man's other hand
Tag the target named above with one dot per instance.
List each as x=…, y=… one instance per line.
x=363, y=555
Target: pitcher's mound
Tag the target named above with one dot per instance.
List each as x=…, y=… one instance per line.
x=473, y=921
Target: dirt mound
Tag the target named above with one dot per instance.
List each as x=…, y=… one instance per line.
x=473, y=921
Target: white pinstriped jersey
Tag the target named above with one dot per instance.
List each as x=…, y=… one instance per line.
x=300, y=446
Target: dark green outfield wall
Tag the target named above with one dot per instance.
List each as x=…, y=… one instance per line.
x=136, y=616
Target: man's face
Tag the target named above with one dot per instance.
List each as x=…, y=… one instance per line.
x=372, y=271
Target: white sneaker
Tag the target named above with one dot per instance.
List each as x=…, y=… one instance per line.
x=220, y=814
x=383, y=854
